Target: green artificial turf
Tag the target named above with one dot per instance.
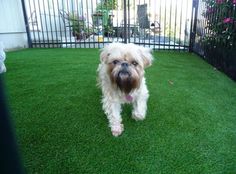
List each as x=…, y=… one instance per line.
x=190, y=125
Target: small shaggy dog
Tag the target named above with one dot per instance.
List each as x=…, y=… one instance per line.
x=2, y=59
x=121, y=78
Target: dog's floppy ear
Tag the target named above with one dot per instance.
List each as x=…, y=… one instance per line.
x=146, y=54
x=104, y=54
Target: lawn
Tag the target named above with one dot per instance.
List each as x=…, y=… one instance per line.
x=61, y=128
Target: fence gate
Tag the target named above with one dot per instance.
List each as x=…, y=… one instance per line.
x=93, y=23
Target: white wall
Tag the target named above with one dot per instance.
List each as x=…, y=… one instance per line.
x=45, y=21
x=12, y=27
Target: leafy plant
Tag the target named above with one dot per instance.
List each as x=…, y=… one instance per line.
x=221, y=22
x=79, y=28
x=107, y=5
x=103, y=10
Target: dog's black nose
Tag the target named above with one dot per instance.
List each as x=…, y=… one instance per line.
x=125, y=64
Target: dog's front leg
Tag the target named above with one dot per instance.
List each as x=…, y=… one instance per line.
x=140, y=108
x=113, y=110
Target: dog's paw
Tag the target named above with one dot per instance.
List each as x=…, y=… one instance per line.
x=117, y=130
x=138, y=117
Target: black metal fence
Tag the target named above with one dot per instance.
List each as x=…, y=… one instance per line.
x=206, y=27
x=215, y=34
x=93, y=23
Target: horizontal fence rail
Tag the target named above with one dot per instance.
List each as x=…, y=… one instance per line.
x=93, y=23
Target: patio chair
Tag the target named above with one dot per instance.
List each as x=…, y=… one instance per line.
x=144, y=22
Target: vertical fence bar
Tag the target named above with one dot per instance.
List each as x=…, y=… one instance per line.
x=102, y=27
x=59, y=20
x=144, y=28
x=128, y=34
x=140, y=32
x=104, y=6
x=42, y=29
x=45, y=21
x=193, y=24
x=73, y=42
x=55, y=25
x=52, y=38
x=64, y=13
x=72, y=36
x=125, y=22
x=149, y=21
x=111, y=22
x=36, y=18
x=175, y=23
x=165, y=28
x=73, y=15
x=66, y=21
x=159, y=37
x=32, y=22
x=186, y=26
x=154, y=19
x=26, y=24
x=134, y=24
x=117, y=24
x=170, y=23
x=87, y=24
x=180, y=25
x=91, y=1
x=77, y=9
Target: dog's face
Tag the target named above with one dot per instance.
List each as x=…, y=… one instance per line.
x=125, y=64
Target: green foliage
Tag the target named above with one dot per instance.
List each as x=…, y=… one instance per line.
x=79, y=27
x=221, y=22
x=107, y=5
x=103, y=12
x=77, y=22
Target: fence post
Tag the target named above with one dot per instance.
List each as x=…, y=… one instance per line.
x=193, y=24
x=125, y=22
x=26, y=24
x=128, y=24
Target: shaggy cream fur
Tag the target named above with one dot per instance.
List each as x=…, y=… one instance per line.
x=121, y=78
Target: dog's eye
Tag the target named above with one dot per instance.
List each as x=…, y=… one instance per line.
x=115, y=62
x=134, y=63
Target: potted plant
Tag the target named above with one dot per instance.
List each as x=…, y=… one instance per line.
x=79, y=28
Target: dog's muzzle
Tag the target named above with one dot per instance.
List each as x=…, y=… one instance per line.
x=124, y=72
x=124, y=79
x=124, y=64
